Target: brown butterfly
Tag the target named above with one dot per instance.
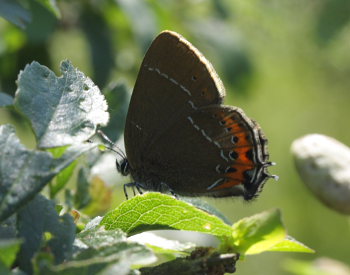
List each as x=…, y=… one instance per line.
x=178, y=135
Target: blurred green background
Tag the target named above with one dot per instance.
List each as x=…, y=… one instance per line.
x=286, y=63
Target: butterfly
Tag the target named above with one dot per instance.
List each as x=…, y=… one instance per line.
x=179, y=136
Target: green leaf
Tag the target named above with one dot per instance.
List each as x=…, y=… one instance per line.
x=82, y=196
x=289, y=244
x=8, y=228
x=51, y=6
x=37, y=219
x=153, y=211
x=71, y=154
x=5, y=100
x=258, y=233
x=40, y=29
x=100, y=38
x=118, y=97
x=203, y=205
x=23, y=173
x=62, y=179
x=62, y=110
x=57, y=152
x=4, y=270
x=333, y=17
x=8, y=251
x=98, y=250
x=13, y=11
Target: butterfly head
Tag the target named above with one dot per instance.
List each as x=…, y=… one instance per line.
x=123, y=167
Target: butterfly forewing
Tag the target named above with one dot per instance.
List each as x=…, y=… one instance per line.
x=174, y=79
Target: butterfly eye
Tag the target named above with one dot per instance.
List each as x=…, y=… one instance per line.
x=194, y=78
x=123, y=167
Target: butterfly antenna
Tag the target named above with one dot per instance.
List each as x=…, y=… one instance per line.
x=112, y=144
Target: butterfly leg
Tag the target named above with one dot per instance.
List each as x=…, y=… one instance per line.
x=163, y=188
x=138, y=188
x=133, y=185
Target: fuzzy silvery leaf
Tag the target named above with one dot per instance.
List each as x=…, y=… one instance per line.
x=62, y=110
